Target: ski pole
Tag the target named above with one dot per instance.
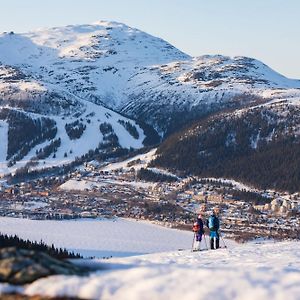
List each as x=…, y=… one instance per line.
x=193, y=241
x=204, y=235
x=222, y=240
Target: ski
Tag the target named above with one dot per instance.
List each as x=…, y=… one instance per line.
x=200, y=250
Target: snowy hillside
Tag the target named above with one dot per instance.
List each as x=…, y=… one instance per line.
x=253, y=271
x=91, y=61
x=173, y=94
x=59, y=83
x=52, y=73
x=92, y=128
x=267, y=270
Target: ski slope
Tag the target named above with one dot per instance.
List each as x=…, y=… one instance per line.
x=137, y=162
x=246, y=272
x=69, y=149
x=4, y=142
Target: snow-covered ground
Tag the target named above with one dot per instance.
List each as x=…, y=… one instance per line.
x=246, y=272
x=80, y=185
x=98, y=182
x=137, y=162
x=4, y=142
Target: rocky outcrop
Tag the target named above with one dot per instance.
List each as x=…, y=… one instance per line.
x=23, y=297
x=20, y=266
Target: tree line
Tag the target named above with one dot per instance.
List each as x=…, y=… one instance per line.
x=25, y=132
x=149, y=175
x=15, y=241
x=259, y=148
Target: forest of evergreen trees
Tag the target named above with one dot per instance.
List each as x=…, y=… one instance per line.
x=152, y=137
x=15, y=241
x=75, y=129
x=110, y=139
x=47, y=150
x=130, y=128
x=149, y=175
x=24, y=133
x=105, y=128
x=257, y=148
x=254, y=198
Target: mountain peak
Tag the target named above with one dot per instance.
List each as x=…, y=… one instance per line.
x=62, y=70
x=107, y=23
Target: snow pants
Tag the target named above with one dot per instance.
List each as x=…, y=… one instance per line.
x=199, y=236
x=214, y=235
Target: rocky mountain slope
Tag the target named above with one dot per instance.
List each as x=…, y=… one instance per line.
x=171, y=95
x=58, y=86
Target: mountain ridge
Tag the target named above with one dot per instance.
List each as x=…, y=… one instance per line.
x=78, y=75
x=256, y=145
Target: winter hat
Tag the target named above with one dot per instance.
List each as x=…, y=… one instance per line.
x=216, y=210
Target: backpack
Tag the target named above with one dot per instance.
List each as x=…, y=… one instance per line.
x=211, y=223
x=196, y=227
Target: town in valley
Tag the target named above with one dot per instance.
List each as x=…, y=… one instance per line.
x=115, y=189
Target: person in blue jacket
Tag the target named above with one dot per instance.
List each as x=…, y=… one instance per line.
x=213, y=223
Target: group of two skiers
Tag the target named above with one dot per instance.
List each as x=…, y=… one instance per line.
x=213, y=225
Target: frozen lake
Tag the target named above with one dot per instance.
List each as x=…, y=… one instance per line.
x=100, y=237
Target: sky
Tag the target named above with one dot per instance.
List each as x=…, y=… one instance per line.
x=268, y=30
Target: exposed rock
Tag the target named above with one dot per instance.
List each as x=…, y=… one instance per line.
x=20, y=266
x=23, y=297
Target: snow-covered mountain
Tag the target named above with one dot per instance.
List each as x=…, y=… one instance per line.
x=93, y=61
x=173, y=94
x=59, y=85
x=33, y=140
x=43, y=126
x=64, y=76
x=133, y=72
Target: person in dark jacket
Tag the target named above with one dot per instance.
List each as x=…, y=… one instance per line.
x=213, y=223
x=199, y=231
